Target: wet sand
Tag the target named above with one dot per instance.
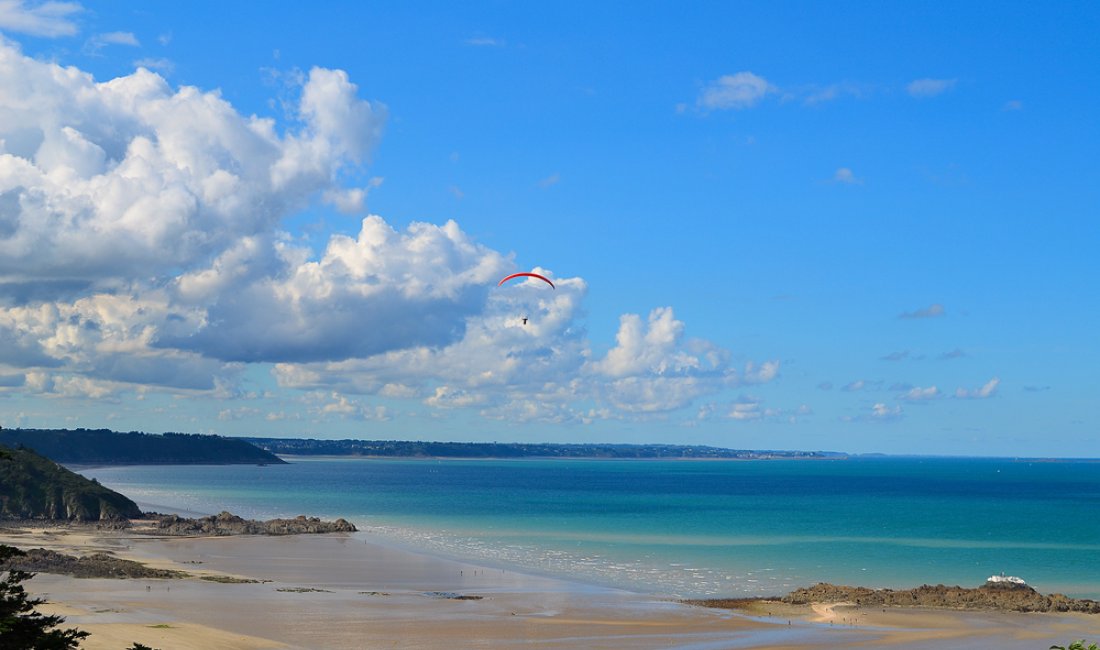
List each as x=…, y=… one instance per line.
x=357, y=591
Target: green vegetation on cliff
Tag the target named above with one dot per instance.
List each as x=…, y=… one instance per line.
x=106, y=447
x=35, y=487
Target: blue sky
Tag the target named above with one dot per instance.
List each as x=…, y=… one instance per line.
x=866, y=227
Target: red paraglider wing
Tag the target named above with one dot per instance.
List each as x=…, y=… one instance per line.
x=527, y=275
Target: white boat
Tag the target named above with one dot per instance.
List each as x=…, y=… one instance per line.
x=1006, y=579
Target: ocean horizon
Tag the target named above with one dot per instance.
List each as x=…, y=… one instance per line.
x=711, y=528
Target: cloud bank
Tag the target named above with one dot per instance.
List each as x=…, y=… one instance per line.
x=141, y=248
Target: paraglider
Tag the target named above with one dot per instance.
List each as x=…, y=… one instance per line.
x=527, y=275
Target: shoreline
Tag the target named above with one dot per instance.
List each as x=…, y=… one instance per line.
x=353, y=590
x=641, y=555
x=610, y=459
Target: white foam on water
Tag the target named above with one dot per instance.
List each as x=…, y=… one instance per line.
x=675, y=579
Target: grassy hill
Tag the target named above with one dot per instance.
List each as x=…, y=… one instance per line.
x=35, y=487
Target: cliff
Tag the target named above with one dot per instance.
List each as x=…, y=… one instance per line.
x=35, y=487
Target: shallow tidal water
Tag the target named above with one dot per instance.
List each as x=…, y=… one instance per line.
x=688, y=528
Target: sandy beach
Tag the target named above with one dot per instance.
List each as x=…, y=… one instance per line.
x=344, y=591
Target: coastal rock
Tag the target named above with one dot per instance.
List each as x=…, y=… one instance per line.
x=992, y=596
x=96, y=565
x=227, y=523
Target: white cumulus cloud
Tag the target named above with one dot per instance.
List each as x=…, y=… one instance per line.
x=103, y=182
x=846, y=176
x=141, y=248
x=882, y=411
x=485, y=41
x=734, y=91
x=746, y=408
x=49, y=19
x=929, y=87
x=381, y=290
x=918, y=394
x=934, y=310
x=544, y=370
x=100, y=41
x=986, y=390
x=652, y=368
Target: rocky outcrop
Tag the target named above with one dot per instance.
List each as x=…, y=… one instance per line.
x=991, y=596
x=230, y=524
x=97, y=565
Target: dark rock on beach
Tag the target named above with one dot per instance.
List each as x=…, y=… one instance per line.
x=97, y=565
x=990, y=597
x=450, y=595
x=230, y=524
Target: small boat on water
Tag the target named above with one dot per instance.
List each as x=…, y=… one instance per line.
x=1005, y=580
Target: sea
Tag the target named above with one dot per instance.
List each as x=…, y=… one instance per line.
x=686, y=528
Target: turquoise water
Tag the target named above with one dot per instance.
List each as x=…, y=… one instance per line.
x=690, y=528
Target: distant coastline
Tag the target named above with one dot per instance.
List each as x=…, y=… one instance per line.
x=87, y=448
x=506, y=450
